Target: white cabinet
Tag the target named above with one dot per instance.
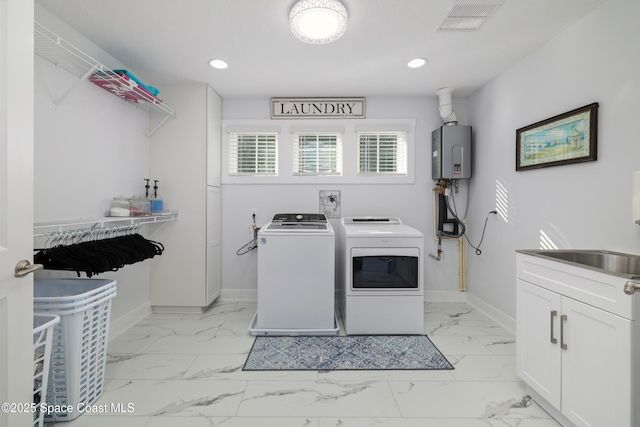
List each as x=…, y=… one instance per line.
x=538, y=357
x=575, y=356
x=213, y=243
x=596, y=366
x=184, y=157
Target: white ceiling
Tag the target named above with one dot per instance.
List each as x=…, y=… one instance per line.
x=170, y=41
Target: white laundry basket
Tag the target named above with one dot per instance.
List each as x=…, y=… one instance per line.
x=79, y=345
x=43, y=325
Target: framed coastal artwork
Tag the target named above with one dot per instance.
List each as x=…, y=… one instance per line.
x=571, y=137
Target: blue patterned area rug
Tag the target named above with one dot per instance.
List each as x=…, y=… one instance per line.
x=353, y=352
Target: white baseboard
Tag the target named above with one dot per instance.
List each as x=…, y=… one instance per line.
x=177, y=309
x=505, y=321
x=123, y=323
x=120, y=325
x=445, y=296
x=456, y=296
x=238, y=295
x=252, y=295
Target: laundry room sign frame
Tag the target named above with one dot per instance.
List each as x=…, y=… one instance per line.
x=318, y=108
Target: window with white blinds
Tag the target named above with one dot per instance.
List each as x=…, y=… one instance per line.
x=253, y=153
x=382, y=153
x=317, y=154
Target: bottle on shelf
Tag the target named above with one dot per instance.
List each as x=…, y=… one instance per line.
x=156, y=199
x=140, y=205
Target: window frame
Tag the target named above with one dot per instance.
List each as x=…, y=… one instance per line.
x=336, y=165
x=398, y=155
x=270, y=141
x=348, y=128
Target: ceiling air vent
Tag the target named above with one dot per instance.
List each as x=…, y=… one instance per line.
x=468, y=16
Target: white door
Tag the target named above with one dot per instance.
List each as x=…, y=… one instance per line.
x=538, y=357
x=596, y=367
x=16, y=208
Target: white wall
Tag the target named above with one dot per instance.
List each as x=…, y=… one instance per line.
x=411, y=202
x=88, y=149
x=586, y=205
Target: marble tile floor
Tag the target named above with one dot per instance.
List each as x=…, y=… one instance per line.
x=186, y=370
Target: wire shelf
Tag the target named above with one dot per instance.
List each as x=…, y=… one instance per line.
x=59, y=52
x=47, y=227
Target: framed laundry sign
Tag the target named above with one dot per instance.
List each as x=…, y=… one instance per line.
x=317, y=108
x=567, y=138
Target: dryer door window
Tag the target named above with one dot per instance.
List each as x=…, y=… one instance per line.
x=385, y=270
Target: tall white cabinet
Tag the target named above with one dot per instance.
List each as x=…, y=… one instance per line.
x=185, y=158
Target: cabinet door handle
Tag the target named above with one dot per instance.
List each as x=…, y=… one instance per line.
x=563, y=319
x=630, y=288
x=554, y=313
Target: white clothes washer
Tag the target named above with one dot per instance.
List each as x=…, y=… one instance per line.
x=380, y=277
x=296, y=277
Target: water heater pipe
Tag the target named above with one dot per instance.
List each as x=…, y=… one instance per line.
x=446, y=106
x=435, y=191
x=462, y=261
x=462, y=272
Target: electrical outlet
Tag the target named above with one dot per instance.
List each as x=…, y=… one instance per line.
x=254, y=211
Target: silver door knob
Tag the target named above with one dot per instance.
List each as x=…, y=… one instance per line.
x=24, y=267
x=631, y=287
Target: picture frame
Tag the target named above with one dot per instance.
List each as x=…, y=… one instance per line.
x=567, y=138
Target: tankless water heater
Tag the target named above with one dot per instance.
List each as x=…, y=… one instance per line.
x=451, y=152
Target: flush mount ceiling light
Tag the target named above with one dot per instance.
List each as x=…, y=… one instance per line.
x=318, y=21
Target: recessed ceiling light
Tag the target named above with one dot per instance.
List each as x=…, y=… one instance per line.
x=218, y=63
x=417, y=63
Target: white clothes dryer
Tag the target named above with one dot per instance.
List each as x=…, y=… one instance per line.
x=296, y=277
x=380, y=278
